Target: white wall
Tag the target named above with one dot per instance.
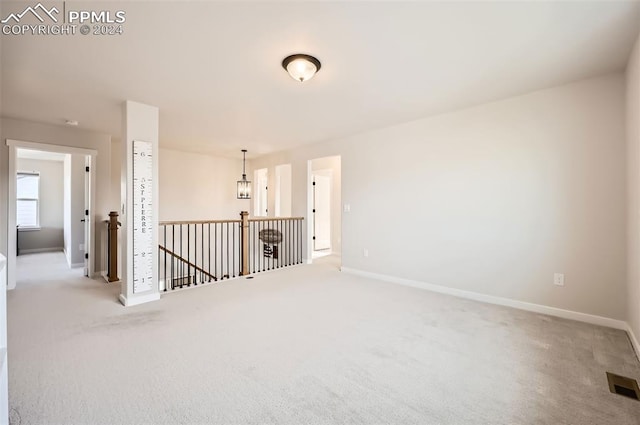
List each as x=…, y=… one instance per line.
x=282, y=207
x=115, y=199
x=492, y=199
x=51, y=234
x=64, y=136
x=633, y=181
x=4, y=397
x=333, y=163
x=199, y=187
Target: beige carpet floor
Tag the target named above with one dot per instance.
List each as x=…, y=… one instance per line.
x=38, y=269
x=305, y=345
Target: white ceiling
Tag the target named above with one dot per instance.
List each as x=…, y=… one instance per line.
x=214, y=68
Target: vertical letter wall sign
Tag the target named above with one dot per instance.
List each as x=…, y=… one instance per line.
x=142, y=216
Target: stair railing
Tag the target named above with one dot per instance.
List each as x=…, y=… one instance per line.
x=201, y=252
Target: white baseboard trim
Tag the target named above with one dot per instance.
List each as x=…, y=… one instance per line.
x=135, y=300
x=67, y=256
x=38, y=250
x=634, y=341
x=491, y=299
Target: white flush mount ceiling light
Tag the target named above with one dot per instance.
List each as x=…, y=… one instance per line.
x=301, y=67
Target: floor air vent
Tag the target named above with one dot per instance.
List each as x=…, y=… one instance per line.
x=623, y=386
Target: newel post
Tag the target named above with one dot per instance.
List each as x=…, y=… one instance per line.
x=112, y=272
x=244, y=237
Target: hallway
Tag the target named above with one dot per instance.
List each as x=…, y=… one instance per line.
x=43, y=268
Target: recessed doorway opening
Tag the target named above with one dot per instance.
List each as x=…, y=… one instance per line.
x=261, y=194
x=50, y=199
x=325, y=215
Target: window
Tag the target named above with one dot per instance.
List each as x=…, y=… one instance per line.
x=27, y=196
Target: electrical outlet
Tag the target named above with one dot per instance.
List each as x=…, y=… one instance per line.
x=81, y=247
x=347, y=208
x=558, y=279
x=365, y=252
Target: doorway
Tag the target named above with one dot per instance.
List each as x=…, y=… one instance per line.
x=51, y=198
x=261, y=202
x=321, y=211
x=86, y=217
x=325, y=215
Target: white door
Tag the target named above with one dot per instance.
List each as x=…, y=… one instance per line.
x=261, y=178
x=321, y=212
x=87, y=214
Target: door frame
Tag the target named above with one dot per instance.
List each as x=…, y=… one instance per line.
x=88, y=222
x=258, y=193
x=328, y=173
x=307, y=241
x=14, y=145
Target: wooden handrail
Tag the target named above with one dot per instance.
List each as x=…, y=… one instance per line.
x=200, y=269
x=177, y=223
x=171, y=223
x=237, y=247
x=277, y=219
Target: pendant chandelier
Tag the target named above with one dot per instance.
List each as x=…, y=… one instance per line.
x=244, y=185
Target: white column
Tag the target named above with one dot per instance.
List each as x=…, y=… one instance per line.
x=140, y=124
x=4, y=377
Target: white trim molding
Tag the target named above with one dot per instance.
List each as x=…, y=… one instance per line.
x=51, y=148
x=38, y=250
x=140, y=299
x=491, y=299
x=634, y=341
x=14, y=145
